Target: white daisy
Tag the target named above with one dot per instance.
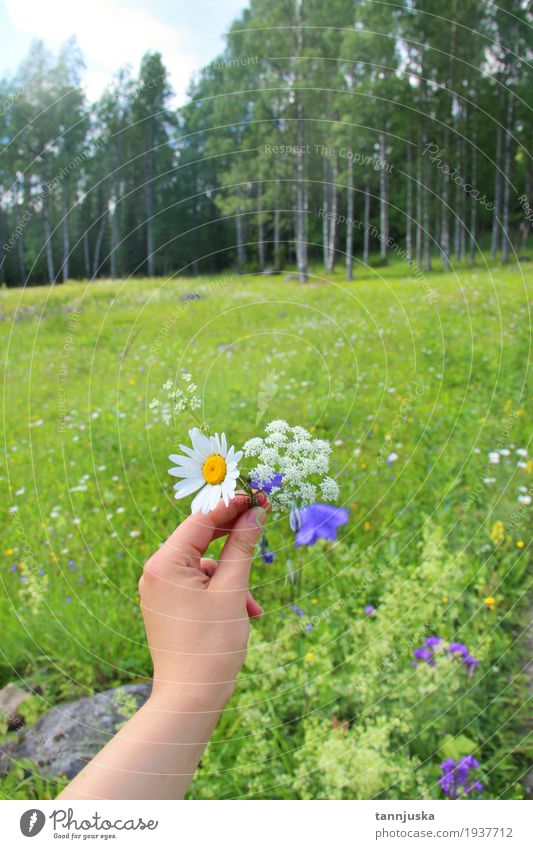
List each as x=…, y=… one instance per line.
x=209, y=466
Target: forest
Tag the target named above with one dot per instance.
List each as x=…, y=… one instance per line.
x=403, y=129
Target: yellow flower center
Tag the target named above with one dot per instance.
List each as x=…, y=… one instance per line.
x=214, y=470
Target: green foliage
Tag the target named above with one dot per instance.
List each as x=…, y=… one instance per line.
x=23, y=782
x=132, y=185
x=337, y=711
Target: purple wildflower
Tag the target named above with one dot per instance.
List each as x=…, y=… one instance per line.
x=267, y=556
x=455, y=779
x=427, y=653
x=295, y=519
x=369, y=610
x=267, y=486
x=424, y=654
x=458, y=648
x=319, y=521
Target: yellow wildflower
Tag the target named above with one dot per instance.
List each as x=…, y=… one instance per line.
x=9, y=551
x=490, y=601
x=520, y=543
x=367, y=526
x=309, y=656
x=497, y=533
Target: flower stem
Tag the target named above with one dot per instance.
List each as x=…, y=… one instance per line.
x=249, y=492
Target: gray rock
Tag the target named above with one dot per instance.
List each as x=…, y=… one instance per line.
x=191, y=296
x=67, y=737
x=11, y=697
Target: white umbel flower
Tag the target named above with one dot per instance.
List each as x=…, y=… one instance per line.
x=209, y=466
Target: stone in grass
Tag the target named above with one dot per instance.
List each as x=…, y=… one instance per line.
x=67, y=737
x=11, y=697
x=191, y=296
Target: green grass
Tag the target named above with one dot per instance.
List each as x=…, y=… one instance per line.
x=432, y=368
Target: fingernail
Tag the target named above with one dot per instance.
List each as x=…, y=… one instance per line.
x=257, y=517
x=262, y=499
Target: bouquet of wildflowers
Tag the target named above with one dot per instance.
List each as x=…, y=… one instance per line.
x=287, y=463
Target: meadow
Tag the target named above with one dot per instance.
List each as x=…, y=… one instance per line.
x=419, y=382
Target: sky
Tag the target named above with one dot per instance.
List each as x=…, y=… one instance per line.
x=113, y=33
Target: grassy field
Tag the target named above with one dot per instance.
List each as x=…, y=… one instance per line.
x=431, y=369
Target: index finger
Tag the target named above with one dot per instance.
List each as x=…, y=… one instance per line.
x=196, y=532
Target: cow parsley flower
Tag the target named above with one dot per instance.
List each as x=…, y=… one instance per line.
x=180, y=398
x=297, y=460
x=209, y=466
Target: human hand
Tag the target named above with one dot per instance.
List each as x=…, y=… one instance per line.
x=196, y=611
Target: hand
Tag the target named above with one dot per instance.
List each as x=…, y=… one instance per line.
x=196, y=611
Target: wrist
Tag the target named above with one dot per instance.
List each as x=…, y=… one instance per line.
x=208, y=699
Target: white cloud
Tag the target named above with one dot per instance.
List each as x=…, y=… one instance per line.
x=110, y=34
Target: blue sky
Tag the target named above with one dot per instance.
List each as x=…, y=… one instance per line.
x=111, y=33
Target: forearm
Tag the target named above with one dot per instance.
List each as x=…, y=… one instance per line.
x=155, y=754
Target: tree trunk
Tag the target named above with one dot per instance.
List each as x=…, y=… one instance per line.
x=20, y=257
x=301, y=190
x=333, y=220
x=325, y=210
x=496, y=228
x=349, y=221
x=426, y=216
x=86, y=253
x=301, y=203
x=48, y=239
x=445, y=220
x=458, y=198
x=506, y=235
x=419, y=204
x=66, y=235
x=3, y=239
x=149, y=170
x=260, y=231
x=277, y=264
x=366, y=225
x=409, y=207
x=473, y=203
x=239, y=233
x=115, y=238
x=383, y=198
x=98, y=245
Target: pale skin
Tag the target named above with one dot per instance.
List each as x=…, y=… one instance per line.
x=197, y=617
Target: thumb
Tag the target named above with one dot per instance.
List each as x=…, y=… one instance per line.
x=235, y=561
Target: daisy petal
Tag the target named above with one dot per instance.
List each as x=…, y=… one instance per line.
x=200, y=442
x=198, y=501
x=214, y=497
x=187, y=487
